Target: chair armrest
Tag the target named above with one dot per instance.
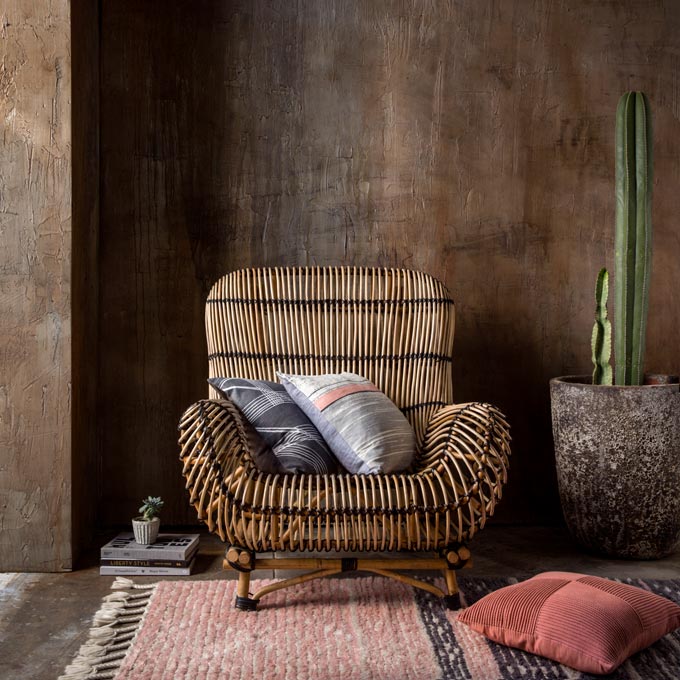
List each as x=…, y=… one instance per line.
x=468, y=446
x=214, y=454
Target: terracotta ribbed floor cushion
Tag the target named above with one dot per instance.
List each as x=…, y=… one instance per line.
x=586, y=622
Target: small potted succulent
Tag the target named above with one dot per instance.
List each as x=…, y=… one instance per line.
x=148, y=523
x=617, y=434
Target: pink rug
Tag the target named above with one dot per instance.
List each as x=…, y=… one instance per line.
x=336, y=629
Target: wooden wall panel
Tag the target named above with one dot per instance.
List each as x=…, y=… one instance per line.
x=472, y=140
x=35, y=286
x=163, y=238
x=85, y=460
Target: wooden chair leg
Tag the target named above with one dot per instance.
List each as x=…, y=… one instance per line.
x=244, y=562
x=452, y=599
x=243, y=601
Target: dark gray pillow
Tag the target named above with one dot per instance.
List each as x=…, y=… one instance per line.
x=297, y=445
x=260, y=451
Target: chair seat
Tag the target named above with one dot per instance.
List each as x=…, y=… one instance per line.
x=454, y=486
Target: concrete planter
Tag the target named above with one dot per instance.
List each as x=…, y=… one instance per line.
x=617, y=451
x=145, y=532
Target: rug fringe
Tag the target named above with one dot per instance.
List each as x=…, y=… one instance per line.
x=113, y=631
x=122, y=583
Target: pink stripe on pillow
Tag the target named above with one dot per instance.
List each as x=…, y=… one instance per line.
x=332, y=396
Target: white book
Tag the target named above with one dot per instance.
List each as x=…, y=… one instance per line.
x=147, y=571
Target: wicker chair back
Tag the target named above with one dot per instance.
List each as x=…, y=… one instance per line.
x=392, y=326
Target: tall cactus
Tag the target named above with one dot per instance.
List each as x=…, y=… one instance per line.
x=602, y=333
x=633, y=242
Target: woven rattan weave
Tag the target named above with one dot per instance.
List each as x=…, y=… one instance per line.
x=392, y=326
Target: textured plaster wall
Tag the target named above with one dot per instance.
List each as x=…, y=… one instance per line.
x=35, y=306
x=472, y=140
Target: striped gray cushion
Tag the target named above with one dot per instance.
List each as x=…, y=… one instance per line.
x=367, y=433
x=296, y=444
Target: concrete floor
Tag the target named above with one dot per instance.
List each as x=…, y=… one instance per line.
x=44, y=618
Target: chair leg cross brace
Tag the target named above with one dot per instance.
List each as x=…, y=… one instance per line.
x=245, y=562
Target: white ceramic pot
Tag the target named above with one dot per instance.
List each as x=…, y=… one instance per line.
x=146, y=532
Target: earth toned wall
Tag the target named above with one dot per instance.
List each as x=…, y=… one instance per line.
x=35, y=286
x=472, y=140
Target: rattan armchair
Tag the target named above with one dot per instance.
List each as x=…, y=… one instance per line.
x=394, y=327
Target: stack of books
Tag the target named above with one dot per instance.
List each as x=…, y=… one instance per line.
x=170, y=555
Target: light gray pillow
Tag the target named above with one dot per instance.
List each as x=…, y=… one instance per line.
x=367, y=433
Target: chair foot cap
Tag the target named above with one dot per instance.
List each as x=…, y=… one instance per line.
x=246, y=604
x=452, y=601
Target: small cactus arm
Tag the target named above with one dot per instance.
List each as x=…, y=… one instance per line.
x=633, y=242
x=601, y=342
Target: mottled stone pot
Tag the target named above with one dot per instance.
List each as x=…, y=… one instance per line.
x=617, y=451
